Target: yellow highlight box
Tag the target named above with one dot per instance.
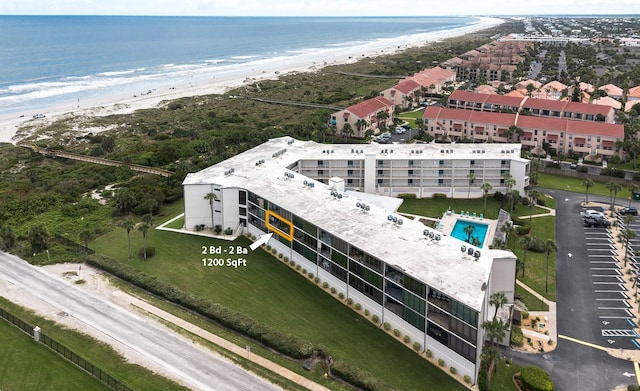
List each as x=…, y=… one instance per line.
x=288, y=236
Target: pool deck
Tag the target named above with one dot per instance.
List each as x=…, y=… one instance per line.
x=450, y=218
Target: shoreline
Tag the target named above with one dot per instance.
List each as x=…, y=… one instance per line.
x=11, y=123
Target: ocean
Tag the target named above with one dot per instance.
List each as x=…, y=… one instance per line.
x=48, y=60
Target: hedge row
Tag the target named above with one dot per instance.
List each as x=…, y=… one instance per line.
x=284, y=343
x=357, y=377
x=517, y=338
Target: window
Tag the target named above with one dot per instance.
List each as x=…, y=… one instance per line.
x=350, y=163
x=349, y=172
x=320, y=172
x=320, y=163
x=410, y=172
x=410, y=181
x=472, y=162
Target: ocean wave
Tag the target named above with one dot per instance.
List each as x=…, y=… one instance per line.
x=117, y=73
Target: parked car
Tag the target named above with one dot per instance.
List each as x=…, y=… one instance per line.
x=591, y=213
x=596, y=222
x=38, y=116
x=573, y=166
x=628, y=210
x=400, y=130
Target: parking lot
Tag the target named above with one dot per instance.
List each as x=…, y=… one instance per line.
x=614, y=318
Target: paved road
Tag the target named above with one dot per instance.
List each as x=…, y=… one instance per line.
x=197, y=368
x=574, y=366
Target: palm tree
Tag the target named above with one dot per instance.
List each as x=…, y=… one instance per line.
x=587, y=183
x=8, y=236
x=85, y=236
x=533, y=196
x=495, y=330
x=360, y=125
x=613, y=188
x=550, y=246
x=128, y=225
x=144, y=228
x=525, y=243
x=347, y=130
x=469, y=230
x=624, y=237
x=485, y=190
x=472, y=177
x=497, y=299
x=509, y=183
x=490, y=355
x=211, y=197
x=508, y=229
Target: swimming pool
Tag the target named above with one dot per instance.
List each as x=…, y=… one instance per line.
x=479, y=231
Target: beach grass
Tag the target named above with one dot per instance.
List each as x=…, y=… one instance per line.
x=273, y=293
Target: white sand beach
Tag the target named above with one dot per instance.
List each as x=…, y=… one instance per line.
x=123, y=104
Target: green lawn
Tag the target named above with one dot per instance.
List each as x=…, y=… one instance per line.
x=276, y=295
x=98, y=353
x=502, y=380
x=560, y=182
x=27, y=365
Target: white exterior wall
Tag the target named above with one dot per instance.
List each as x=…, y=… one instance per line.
x=405, y=328
x=501, y=279
x=230, y=208
x=196, y=208
x=370, y=173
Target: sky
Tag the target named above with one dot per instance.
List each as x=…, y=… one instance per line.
x=316, y=7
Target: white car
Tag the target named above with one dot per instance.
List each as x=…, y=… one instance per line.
x=591, y=213
x=400, y=130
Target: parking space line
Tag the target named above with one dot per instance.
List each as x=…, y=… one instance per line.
x=613, y=317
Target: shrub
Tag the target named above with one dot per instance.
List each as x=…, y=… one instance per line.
x=285, y=259
x=316, y=280
x=407, y=196
x=325, y=285
x=228, y=231
x=375, y=319
x=498, y=196
x=349, y=301
x=304, y=271
x=341, y=295
x=358, y=306
x=429, y=353
x=406, y=339
x=633, y=387
x=292, y=262
x=274, y=251
x=298, y=267
x=535, y=379
x=439, y=196
x=151, y=251
x=541, y=201
x=613, y=172
x=417, y=346
x=586, y=169
x=453, y=370
x=366, y=311
x=524, y=201
x=281, y=255
x=523, y=229
x=333, y=290
x=217, y=229
x=537, y=245
x=517, y=338
x=467, y=379
x=386, y=326
x=441, y=362
x=524, y=314
x=268, y=247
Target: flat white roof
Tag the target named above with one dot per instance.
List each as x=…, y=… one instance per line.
x=440, y=265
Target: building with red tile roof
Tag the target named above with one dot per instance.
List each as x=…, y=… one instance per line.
x=560, y=134
x=537, y=107
x=364, y=116
x=633, y=94
x=612, y=90
x=404, y=93
x=608, y=101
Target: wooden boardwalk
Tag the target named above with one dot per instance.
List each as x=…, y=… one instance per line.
x=97, y=160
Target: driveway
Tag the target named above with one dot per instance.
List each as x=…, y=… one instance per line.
x=584, y=268
x=188, y=363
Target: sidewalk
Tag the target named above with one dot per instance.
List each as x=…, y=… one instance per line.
x=240, y=351
x=549, y=316
x=552, y=212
